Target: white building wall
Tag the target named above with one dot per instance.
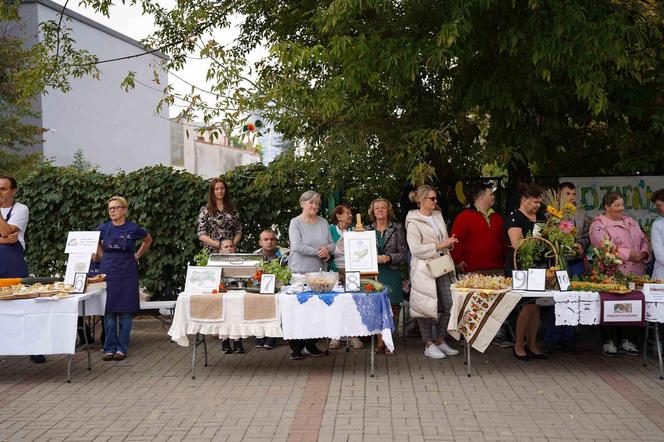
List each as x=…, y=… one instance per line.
x=114, y=129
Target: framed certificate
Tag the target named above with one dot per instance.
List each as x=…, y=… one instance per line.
x=202, y=279
x=360, y=252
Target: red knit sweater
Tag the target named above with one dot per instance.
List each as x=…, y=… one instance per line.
x=481, y=245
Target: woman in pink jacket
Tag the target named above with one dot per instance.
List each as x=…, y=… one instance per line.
x=633, y=251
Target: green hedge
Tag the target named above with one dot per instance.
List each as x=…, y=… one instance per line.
x=166, y=202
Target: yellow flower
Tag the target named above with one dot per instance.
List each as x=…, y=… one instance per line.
x=552, y=210
x=571, y=208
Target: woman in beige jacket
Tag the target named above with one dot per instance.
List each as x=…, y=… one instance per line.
x=427, y=239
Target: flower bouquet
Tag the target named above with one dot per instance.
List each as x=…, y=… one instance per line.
x=559, y=229
x=605, y=262
x=554, y=240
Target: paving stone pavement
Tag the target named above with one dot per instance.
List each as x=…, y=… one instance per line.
x=264, y=396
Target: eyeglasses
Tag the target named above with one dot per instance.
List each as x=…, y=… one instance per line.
x=432, y=198
x=114, y=208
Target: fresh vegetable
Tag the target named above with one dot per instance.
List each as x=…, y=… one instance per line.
x=371, y=285
x=281, y=272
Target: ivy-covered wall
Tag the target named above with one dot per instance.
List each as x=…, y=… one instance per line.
x=167, y=202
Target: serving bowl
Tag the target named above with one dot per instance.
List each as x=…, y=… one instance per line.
x=322, y=281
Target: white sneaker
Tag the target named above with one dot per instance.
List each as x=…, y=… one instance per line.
x=629, y=348
x=433, y=352
x=335, y=344
x=356, y=343
x=449, y=351
x=609, y=349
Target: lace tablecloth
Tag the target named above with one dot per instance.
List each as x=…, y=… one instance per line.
x=232, y=325
x=42, y=327
x=335, y=315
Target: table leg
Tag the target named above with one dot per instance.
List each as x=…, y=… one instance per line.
x=193, y=358
x=373, y=355
x=347, y=344
x=85, y=337
x=467, y=346
x=69, y=357
x=645, y=345
x=205, y=349
x=659, y=351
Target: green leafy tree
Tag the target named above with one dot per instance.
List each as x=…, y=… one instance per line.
x=80, y=163
x=434, y=87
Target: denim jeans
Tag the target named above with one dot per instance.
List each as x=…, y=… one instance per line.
x=117, y=340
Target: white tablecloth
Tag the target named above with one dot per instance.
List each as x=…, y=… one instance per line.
x=654, y=310
x=233, y=324
x=32, y=327
x=95, y=305
x=311, y=319
x=316, y=319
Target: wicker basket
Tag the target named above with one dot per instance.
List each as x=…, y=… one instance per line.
x=551, y=281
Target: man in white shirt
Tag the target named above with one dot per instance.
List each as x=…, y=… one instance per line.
x=13, y=223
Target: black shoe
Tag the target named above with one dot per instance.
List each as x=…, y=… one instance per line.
x=270, y=343
x=525, y=357
x=238, y=347
x=296, y=356
x=534, y=355
x=314, y=351
x=226, y=346
x=260, y=342
x=38, y=359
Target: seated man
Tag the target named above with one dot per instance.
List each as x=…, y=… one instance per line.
x=270, y=251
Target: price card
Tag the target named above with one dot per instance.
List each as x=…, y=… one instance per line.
x=536, y=280
x=563, y=280
x=82, y=242
x=653, y=292
x=519, y=279
x=268, y=282
x=352, y=282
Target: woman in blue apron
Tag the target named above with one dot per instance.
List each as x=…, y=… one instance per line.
x=119, y=263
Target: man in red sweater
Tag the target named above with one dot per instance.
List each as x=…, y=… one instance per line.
x=481, y=246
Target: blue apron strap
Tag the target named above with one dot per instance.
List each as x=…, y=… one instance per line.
x=9, y=214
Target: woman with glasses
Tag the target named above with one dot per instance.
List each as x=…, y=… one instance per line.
x=430, y=297
x=119, y=261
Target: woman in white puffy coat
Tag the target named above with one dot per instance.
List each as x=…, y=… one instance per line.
x=427, y=238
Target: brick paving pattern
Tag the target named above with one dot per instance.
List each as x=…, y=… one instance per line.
x=264, y=396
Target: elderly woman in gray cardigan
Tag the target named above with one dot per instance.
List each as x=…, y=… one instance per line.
x=427, y=239
x=311, y=247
